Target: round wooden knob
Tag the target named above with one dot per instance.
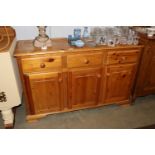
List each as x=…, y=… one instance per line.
x=98, y=75
x=42, y=65
x=60, y=80
x=86, y=61
x=124, y=75
x=50, y=60
x=123, y=58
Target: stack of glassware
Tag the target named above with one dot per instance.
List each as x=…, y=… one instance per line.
x=114, y=35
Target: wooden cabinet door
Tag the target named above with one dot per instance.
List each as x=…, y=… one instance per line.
x=142, y=78
x=118, y=83
x=44, y=92
x=149, y=83
x=83, y=87
x=145, y=83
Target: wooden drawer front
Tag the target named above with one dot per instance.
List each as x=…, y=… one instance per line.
x=82, y=60
x=121, y=57
x=41, y=63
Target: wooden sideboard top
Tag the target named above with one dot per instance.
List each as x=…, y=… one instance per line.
x=60, y=45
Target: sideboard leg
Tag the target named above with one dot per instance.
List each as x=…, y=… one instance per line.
x=8, y=118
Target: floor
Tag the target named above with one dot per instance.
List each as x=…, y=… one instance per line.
x=141, y=113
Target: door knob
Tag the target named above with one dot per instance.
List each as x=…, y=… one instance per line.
x=86, y=61
x=60, y=80
x=42, y=65
x=123, y=58
x=98, y=75
x=50, y=60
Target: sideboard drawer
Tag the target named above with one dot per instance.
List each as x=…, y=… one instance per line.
x=120, y=57
x=41, y=63
x=82, y=60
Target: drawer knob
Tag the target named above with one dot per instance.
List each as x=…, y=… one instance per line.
x=108, y=74
x=123, y=58
x=124, y=75
x=86, y=61
x=42, y=65
x=98, y=75
x=60, y=80
x=50, y=60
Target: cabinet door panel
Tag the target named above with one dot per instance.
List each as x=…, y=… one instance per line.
x=118, y=83
x=150, y=81
x=84, y=87
x=46, y=92
x=145, y=83
x=142, y=77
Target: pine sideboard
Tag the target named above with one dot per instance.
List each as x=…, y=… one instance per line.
x=64, y=78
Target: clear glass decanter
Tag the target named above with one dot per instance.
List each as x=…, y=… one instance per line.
x=85, y=32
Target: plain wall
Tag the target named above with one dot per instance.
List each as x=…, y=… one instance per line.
x=30, y=32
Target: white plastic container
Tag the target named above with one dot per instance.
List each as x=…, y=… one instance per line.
x=10, y=85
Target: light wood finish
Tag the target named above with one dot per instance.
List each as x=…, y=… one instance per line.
x=83, y=87
x=145, y=83
x=118, y=83
x=60, y=46
x=78, y=78
x=34, y=118
x=45, y=92
x=120, y=57
x=39, y=64
x=82, y=60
